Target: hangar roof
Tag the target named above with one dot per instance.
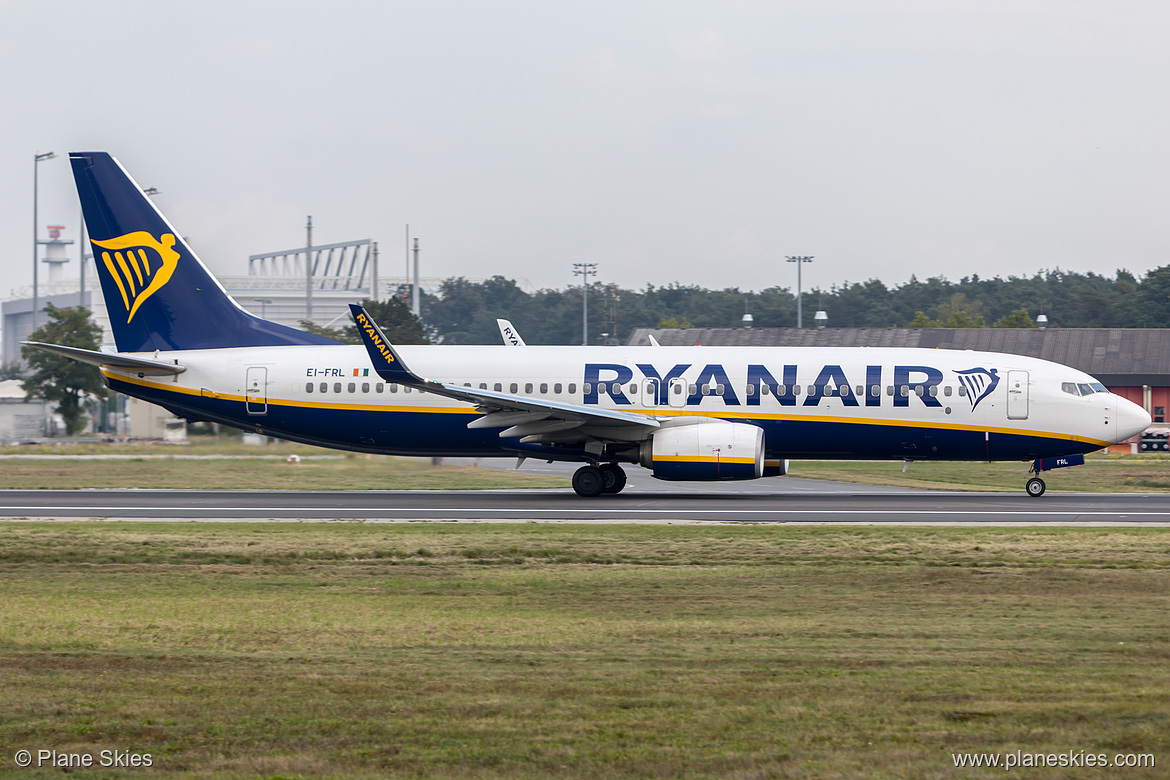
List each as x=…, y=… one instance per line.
x=1116, y=356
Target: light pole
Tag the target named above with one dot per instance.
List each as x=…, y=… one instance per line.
x=585, y=270
x=263, y=302
x=37, y=160
x=799, y=260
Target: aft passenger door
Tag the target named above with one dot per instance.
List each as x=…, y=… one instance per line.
x=256, y=390
x=1017, y=404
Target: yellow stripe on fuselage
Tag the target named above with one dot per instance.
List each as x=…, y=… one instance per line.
x=656, y=412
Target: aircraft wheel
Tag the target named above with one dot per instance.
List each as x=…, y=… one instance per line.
x=1035, y=487
x=614, y=477
x=588, y=481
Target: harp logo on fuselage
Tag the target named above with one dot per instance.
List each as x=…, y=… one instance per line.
x=139, y=264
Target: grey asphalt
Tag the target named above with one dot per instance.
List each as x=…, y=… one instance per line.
x=837, y=504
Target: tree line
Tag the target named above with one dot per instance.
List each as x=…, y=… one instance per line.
x=465, y=312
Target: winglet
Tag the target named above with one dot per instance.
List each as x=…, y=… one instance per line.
x=386, y=360
x=509, y=335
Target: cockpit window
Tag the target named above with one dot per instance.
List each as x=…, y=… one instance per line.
x=1083, y=388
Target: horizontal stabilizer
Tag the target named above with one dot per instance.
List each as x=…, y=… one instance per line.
x=143, y=366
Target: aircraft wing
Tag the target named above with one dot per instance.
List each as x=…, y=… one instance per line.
x=143, y=366
x=526, y=416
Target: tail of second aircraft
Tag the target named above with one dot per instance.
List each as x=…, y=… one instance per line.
x=158, y=293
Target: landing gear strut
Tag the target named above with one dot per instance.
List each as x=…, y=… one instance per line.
x=591, y=481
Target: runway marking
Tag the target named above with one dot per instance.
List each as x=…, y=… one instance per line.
x=588, y=511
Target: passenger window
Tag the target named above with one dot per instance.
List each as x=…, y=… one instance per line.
x=393, y=388
x=812, y=389
x=860, y=390
x=324, y=387
x=889, y=389
x=795, y=389
x=406, y=388
x=905, y=391
x=308, y=387
x=498, y=387
x=337, y=387
x=706, y=389
x=600, y=388
x=615, y=389
x=557, y=388
x=692, y=389
x=543, y=388
x=780, y=389
x=351, y=387
x=587, y=387
x=528, y=388
x=933, y=391
x=962, y=391
x=365, y=387
x=467, y=384
x=513, y=388
x=573, y=388
x=844, y=390
x=947, y=391
x=483, y=385
x=676, y=388
x=719, y=389
x=379, y=387
x=633, y=389
x=875, y=390
x=751, y=390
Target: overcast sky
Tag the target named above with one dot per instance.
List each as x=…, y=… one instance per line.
x=681, y=141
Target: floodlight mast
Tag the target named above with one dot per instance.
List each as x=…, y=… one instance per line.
x=584, y=270
x=799, y=260
x=37, y=160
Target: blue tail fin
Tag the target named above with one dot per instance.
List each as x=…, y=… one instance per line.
x=158, y=293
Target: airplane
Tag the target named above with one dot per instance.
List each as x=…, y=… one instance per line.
x=684, y=413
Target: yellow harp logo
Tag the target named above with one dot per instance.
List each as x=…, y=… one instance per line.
x=140, y=265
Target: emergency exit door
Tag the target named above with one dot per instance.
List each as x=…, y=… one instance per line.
x=255, y=390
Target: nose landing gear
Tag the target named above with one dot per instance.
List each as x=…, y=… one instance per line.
x=1035, y=486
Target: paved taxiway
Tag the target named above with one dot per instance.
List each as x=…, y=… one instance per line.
x=832, y=503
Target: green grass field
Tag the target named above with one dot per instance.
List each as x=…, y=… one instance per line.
x=1100, y=474
x=232, y=465
x=533, y=651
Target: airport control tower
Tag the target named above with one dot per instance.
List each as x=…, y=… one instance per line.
x=55, y=252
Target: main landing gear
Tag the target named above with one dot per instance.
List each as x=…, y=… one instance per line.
x=591, y=481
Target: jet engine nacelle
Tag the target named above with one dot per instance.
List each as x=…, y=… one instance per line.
x=705, y=451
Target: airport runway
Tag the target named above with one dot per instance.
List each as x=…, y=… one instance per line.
x=834, y=503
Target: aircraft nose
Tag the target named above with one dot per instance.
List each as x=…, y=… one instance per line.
x=1131, y=419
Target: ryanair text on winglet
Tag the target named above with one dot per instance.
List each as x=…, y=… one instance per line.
x=376, y=340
